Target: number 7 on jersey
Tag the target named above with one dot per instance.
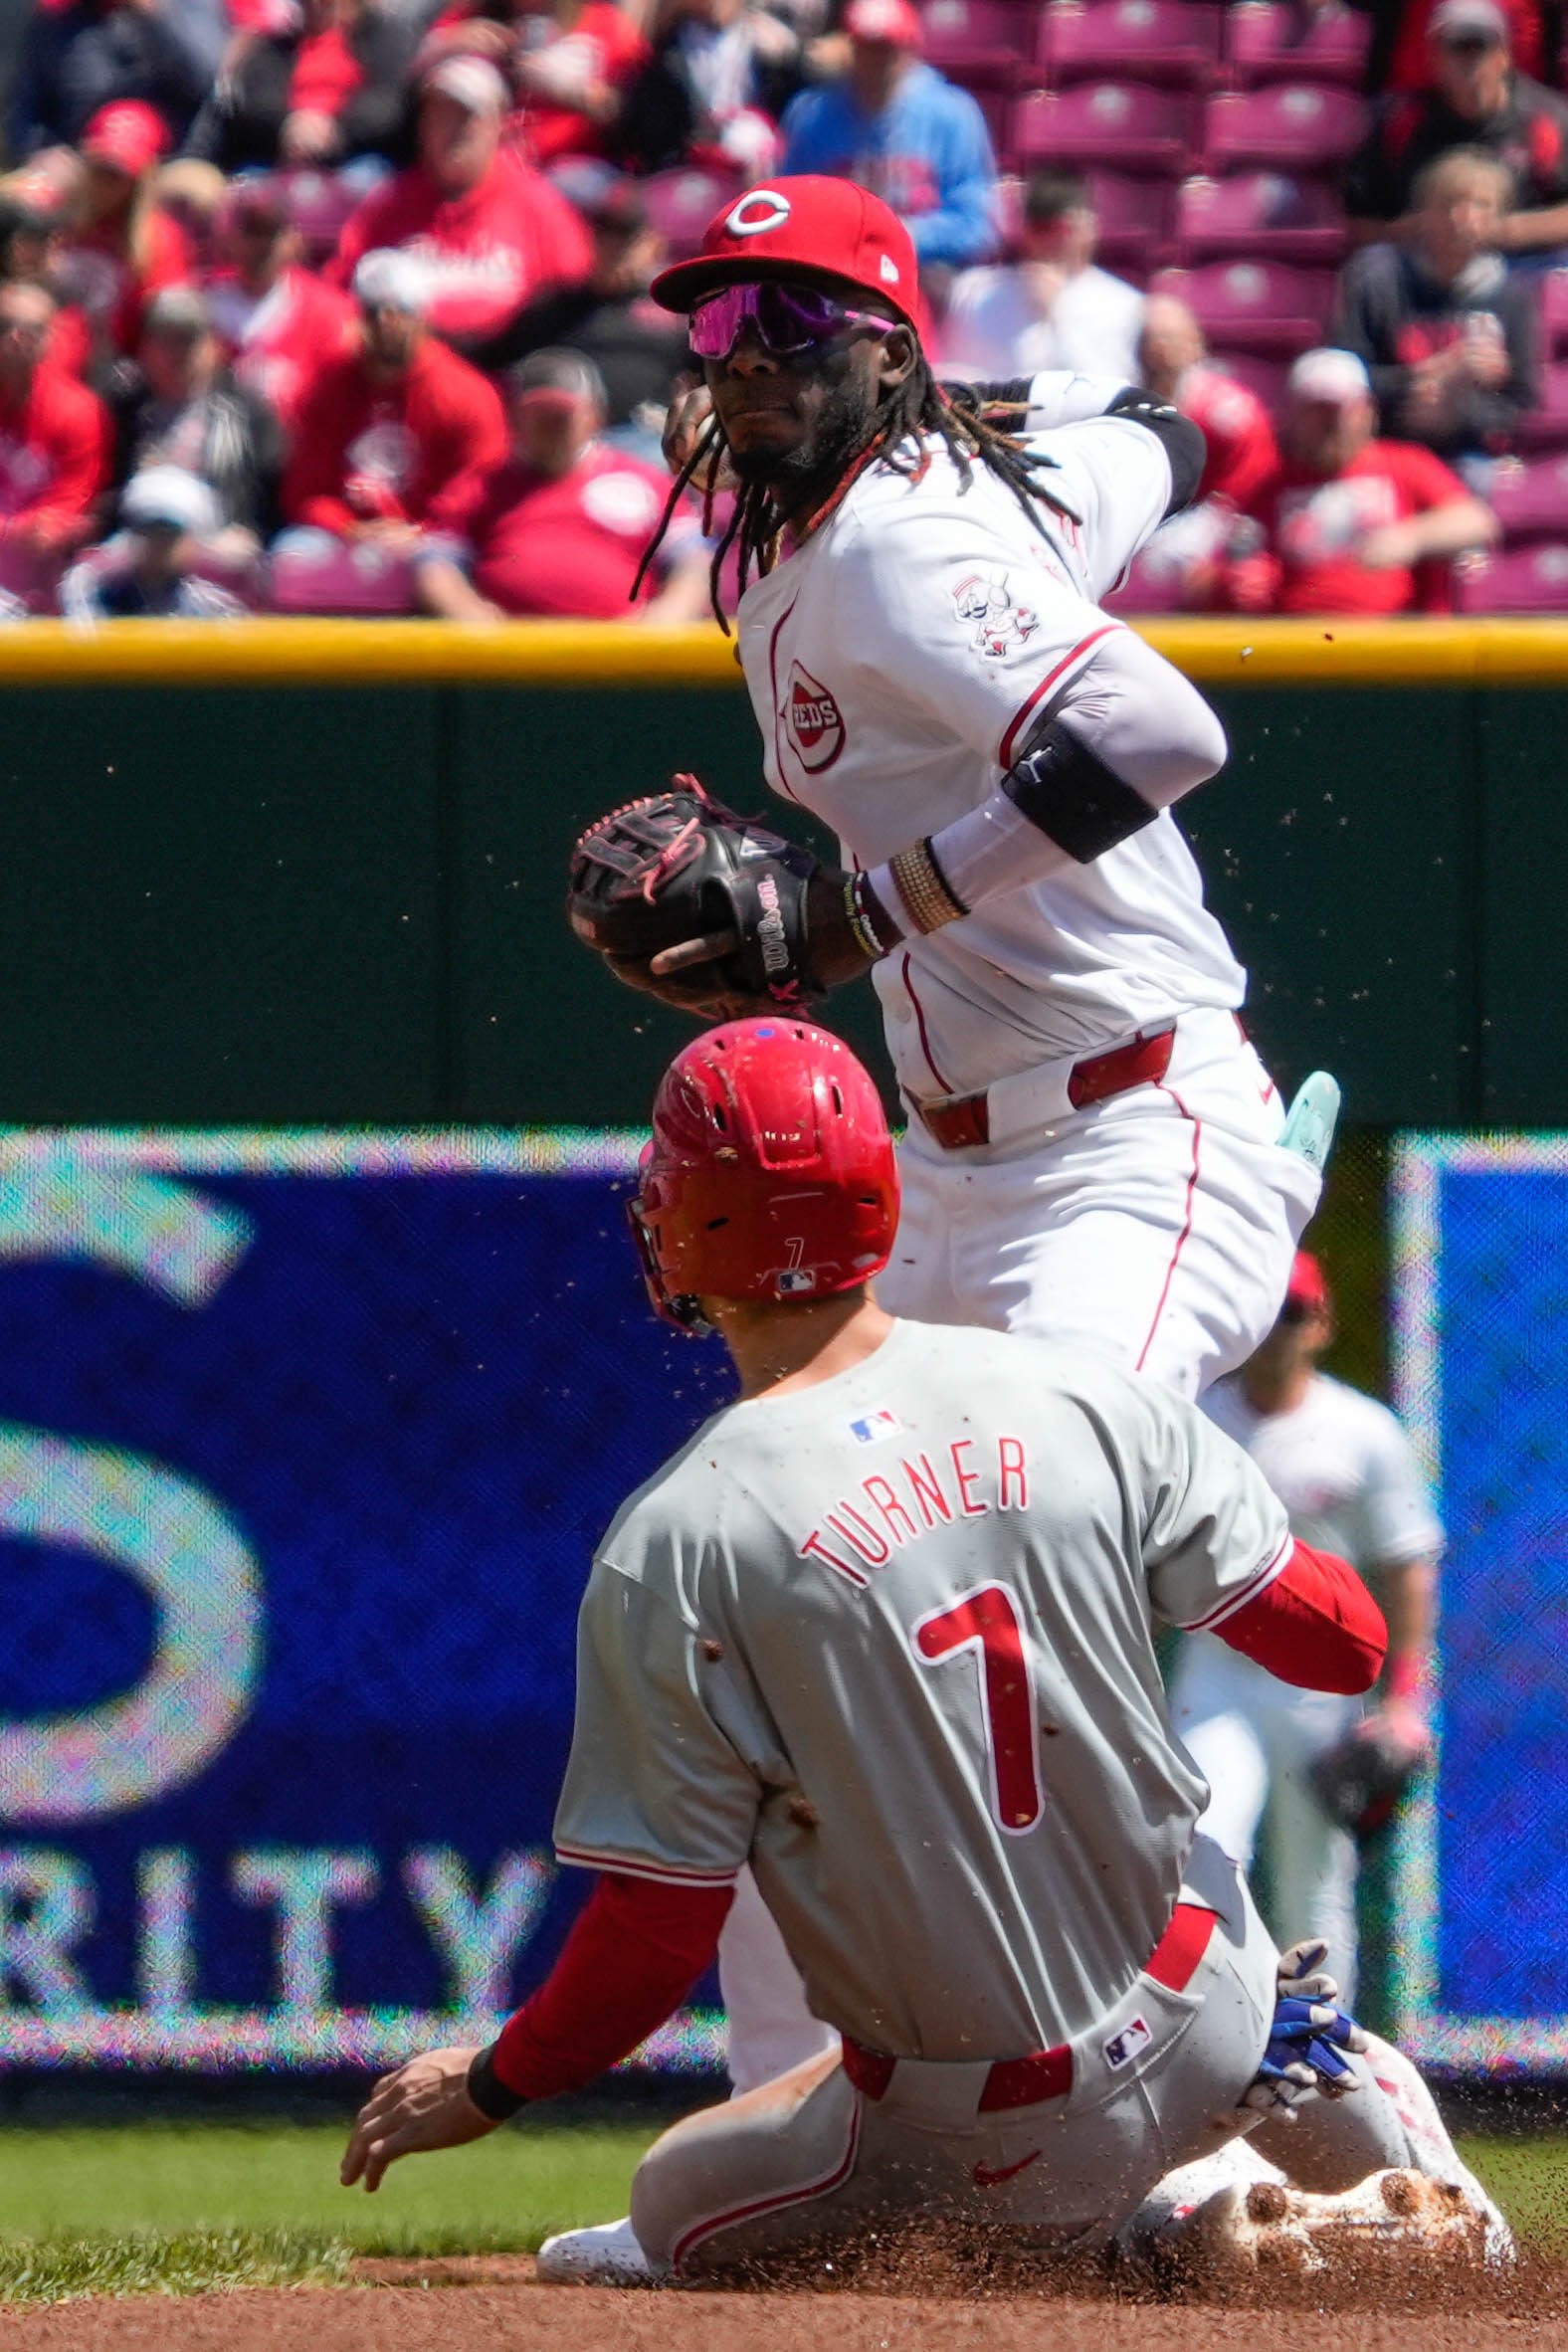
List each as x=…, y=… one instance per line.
x=987, y=1622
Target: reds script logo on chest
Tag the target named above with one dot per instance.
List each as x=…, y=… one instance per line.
x=812, y=716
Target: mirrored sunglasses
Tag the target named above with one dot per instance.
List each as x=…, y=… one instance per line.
x=787, y=319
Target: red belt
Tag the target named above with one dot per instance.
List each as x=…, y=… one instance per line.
x=965, y=1120
x=1048, y=2073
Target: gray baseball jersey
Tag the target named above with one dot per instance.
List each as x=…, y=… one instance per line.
x=890, y=1636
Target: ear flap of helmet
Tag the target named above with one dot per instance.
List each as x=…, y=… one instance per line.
x=681, y=1310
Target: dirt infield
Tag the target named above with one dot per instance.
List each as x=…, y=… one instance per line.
x=476, y=2306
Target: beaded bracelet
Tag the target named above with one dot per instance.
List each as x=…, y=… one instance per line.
x=857, y=914
x=923, y=888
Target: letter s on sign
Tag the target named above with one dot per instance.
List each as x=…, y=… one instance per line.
x=168, y=1534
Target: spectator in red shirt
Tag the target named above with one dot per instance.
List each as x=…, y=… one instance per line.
x=126, y=250
x=572, y=61
x=54, y=449
x=398, y=434
x=487, y=229
x=276, y=321
x=1349, y=523
x=1174, y=364
x=561, y=528
x=31, y=250
x=312, y=87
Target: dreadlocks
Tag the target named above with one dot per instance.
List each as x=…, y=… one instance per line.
x=916, y=410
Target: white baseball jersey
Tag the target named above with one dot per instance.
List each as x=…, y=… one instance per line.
x=890, y=1636
x=1343, y=1469
x=896, y=663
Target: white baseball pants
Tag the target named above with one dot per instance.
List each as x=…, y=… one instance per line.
x=1253, y=1739
x=1158, y=1227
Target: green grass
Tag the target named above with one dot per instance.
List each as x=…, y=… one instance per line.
x=171, y=2208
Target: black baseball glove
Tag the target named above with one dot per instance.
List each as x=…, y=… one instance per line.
x=721, y=900
x=1361, y=1781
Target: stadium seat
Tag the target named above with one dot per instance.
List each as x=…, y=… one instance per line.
x=1116, y=124
x=1254, y=306
x=1134, y=220
x=1269, y=42
x=319, y=203
x=1546, y=426
x=1520, y=580
x=1266, y=215
x=981, y=41
x=1554, y=314
x=310, y=571
x=1172, y=42
x=1259, y=372
x=681, y=202
x=1296, y=125
x=1531, y=501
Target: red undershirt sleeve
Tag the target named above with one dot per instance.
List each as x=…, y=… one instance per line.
x=635, y=1953
x=1315, y=1625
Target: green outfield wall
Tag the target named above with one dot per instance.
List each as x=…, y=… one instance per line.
x=283, y=872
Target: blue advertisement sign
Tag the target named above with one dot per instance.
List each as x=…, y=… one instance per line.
x=306, y=1442
x=1482, y=1311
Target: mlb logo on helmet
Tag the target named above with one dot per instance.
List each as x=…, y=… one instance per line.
x=794, y=1280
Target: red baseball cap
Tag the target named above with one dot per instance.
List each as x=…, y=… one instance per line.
x=129, y=136
x=803, y=226
x=1308, y=1287
x=892, y=21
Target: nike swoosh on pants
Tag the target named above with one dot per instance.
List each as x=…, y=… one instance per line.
x=987, y=2177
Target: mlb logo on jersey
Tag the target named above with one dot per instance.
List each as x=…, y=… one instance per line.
x=815, y=725
x=1123, y=2048
x=871, y=1427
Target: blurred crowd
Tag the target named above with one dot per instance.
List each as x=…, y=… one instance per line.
x=341, y=305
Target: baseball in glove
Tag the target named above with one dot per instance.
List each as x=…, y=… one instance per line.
x=709, y=910
x=1361, y=1781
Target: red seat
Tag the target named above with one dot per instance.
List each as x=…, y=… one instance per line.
x=1267, y=42
x=680, y=203
x=1554, y=313
x=1546, y=426
x=1262, y=213
x=1531, y=501
x=1300, y=125
x=1254, y=306
x=1260, y=373
x=1520, y=580
x=1116, y=123
x=984, y=42
x=1134, y=219
x=1174, y=42
x=997, y=107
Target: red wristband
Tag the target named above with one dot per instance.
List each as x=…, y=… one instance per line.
x=1407, y=1677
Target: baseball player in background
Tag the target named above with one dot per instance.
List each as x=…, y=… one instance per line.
x=884, y=1630
x=1344, y=1471
x=1095, y=1151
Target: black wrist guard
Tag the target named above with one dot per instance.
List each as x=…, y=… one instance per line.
x=486, y=2089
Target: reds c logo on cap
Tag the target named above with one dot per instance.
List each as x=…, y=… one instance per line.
x=759, y=209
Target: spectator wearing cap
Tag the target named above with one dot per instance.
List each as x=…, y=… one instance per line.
x=895, y=125
x=720, y=73
x=123, y=249
x=1476, y=99
x=147, y=570
x=1398, y=58
x=314, y=87
x=54, y=448
x=572, y=61
x=638, y=349
x=78, y=59
x=395, y=436
x=560, y=530
x=1052, y=307
x=1448, y=335
x=488, y=231
x=274, y=321
x=1350, y=523
x=184, y=408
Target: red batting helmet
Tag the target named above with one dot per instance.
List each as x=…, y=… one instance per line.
x=770, y=1174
